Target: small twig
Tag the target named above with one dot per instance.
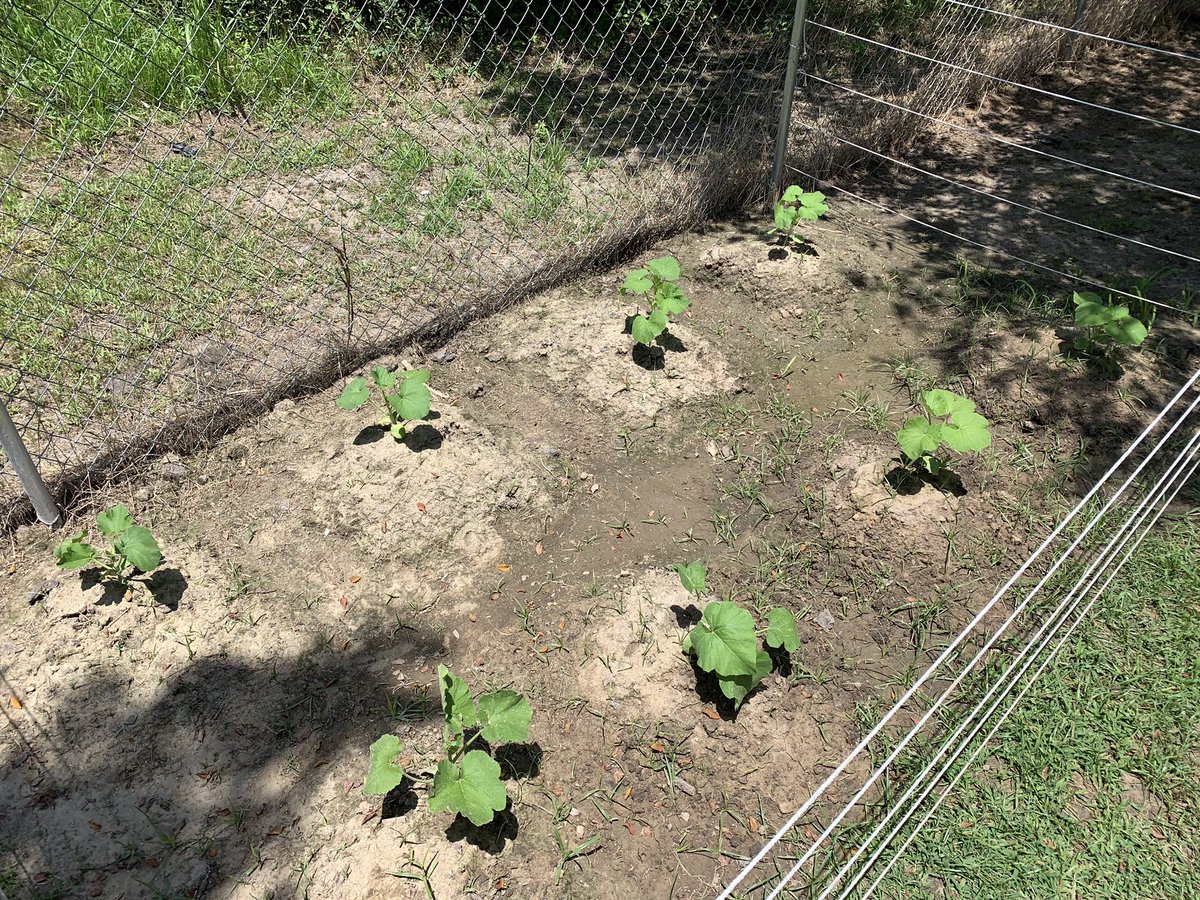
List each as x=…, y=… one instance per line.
x=343, y=258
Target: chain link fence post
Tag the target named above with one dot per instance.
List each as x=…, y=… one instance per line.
x=795, y=47
x=14, y=448
x=1080, y=11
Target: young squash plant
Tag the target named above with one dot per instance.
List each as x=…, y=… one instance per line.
x=467, y=780
x=663, y=297
x=1105, y=326
x=795, y=206
x=404, y=396
x=951, y=420
x=133, y=549
x=725, y=640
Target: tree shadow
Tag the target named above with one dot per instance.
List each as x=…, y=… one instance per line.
x=491, y=838
x=217, y=732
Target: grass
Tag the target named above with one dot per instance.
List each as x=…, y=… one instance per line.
x=118, y=268
x=1092, y=787
x=112, y=268
x=101, y=66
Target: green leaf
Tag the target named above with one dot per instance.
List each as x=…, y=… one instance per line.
x=919, y=437
x=410, y=401
x=792, y=194
x=383, y=774
x=421, y=375
x=396, y=429
x=814, y=200
x=644, y=331
x=637, y=282
x=472, y=788
x=670, y=299
x=354, y=395
x=736, y=687
x=781, y=630
x=74, y=553
x=140, y=548
x=1092, y=313
x=723, y=640
x=114, y=521
x=665, y=268
x=686, y=643
x=457, y=706
x=504, y=716
x=692, y=576
x=785, y=217
x=946, y=403
x=658, y=319
x=1126, y=330
x=967, y=433
x=383, y=378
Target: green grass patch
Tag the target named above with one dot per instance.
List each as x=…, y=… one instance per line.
x=97, y=66
x=118, y=267
x=1092, y=786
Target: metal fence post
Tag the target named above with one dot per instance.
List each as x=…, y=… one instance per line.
x=1080, y=12
x=14, y=448
x=785, y=108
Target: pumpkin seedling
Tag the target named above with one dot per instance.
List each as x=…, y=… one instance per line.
x=663, y=297
x=133, y=548
x=950, y=419
x=795, y=206
x=1105, y=326
x=725, y=640
x=404, y=396
x=466, y=780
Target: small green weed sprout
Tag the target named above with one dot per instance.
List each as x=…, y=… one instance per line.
x=656, y=283
x=797, y=205
x=466, y=781
x=725, y=641
x=1105, y=326
x=949, y=419
x=133, y=549
x=405, y=397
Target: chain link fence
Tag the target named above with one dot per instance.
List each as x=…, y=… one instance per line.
x=209, y=205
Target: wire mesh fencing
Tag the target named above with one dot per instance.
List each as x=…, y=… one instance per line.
x=209, y=205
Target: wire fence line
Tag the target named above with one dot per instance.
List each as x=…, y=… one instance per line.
x=207, y=206
x=210, y=205
x=1117, y=516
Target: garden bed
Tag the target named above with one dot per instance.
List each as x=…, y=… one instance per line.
x=208, y=733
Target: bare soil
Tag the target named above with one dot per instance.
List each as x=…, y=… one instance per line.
x=206, y=733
